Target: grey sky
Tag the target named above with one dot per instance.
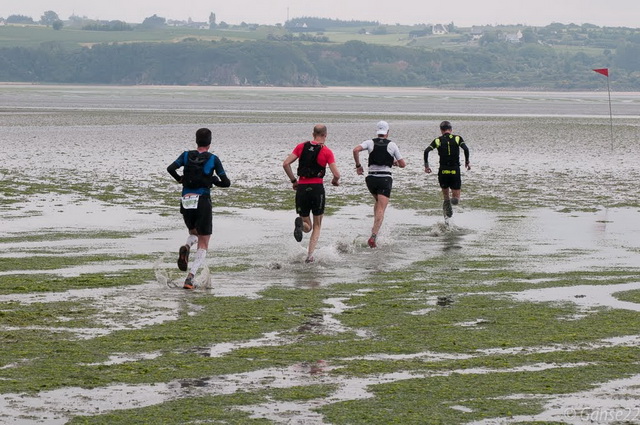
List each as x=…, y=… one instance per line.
x=460, y=12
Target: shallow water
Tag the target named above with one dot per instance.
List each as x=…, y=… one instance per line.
x=582, y=409
x=548, y=190
x=354, y=100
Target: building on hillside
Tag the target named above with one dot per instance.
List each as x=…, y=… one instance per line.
x=176, y=23
x=439, y=29
x=2, y=22
x=199, y=25
x=513, y=37
x=476, y=33
x=189, y=24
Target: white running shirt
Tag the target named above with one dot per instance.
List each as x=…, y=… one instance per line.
x=393, y=150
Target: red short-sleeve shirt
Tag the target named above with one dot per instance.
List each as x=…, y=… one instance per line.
x=325, y=157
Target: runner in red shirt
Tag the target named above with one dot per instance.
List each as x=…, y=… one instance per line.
x=314, y=157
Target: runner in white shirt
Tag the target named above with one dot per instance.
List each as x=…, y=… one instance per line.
x=383, y=154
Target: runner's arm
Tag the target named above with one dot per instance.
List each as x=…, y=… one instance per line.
x=336, y=174
x=172, y=170
x=356, y=158
x=221, y=180
x=464, y=147
x=427, y=169
x=426, y=155
x=397, y=156
x=286, y=165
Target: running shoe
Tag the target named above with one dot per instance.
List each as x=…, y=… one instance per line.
x=372, y=242
x=297, y=231
x=183, y=257
x=446, y=207
x=188, y=282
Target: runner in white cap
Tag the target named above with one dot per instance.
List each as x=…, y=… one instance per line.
x=383, y=154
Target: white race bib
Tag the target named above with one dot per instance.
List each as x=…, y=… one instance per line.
x=190, y=202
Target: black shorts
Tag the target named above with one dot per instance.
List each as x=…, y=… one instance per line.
x=310, y=199
x=379, y=185
x=449, y=178
x=201, y=218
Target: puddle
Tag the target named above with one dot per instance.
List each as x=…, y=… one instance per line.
x=58, y=212
x=117, y=309
x=290, y=413
x=126, y=358
x=55, y=407
x=330, y=325
x=260, y=241
x=473, y=323
x=269, y=339
x=622, y=341
x=585, y=408
x=461, y=409
x=424, y=355
x=263, y=240
x=585, y=296
x=559, y=242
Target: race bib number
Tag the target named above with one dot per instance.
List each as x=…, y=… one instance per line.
x=190, y=202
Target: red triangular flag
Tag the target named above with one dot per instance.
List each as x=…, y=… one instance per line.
x=603, y=71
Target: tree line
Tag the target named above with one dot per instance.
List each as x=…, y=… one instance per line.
x=297, y=63
x=49, y=18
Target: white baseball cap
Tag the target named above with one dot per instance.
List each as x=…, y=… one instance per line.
x=382, y=127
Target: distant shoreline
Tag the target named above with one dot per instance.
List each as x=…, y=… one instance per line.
x=505, y=90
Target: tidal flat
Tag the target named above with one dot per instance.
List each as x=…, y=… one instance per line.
x=523, y=309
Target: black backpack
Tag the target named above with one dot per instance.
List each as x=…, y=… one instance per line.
x=379, y=155
x=194, y=176
x=308, y=163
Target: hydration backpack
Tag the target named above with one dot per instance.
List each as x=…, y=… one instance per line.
x=379, y=155
x=194, y=176
x=308, y=163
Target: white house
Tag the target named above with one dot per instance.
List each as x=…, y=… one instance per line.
x=439, y=29
x=476, y=33
x=513, y=37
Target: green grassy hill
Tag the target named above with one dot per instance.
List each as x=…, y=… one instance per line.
x=553, y=57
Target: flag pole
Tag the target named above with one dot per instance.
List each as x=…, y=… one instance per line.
x=605, y=72
x=610, y=112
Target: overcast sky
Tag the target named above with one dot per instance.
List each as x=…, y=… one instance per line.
x=460, y=12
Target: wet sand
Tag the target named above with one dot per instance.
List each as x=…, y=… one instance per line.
x=548, y=192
